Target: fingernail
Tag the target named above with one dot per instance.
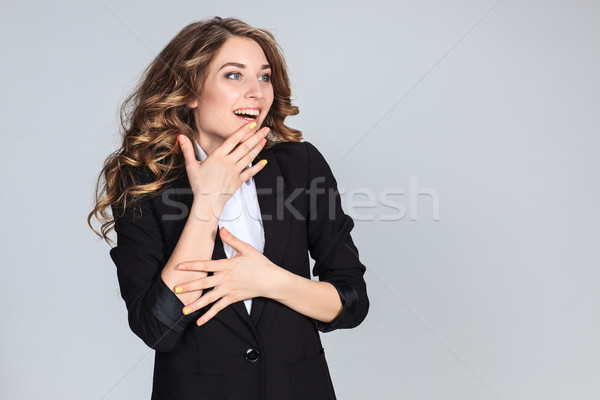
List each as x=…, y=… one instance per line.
x=182, y=267
x=264, y=162
x=181, y=139
x=187, y=310
x=178, y=289
x=266, y=132
x=224, y=230
x=252, y=125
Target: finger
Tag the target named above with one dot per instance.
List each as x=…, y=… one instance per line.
x=250, y=172
x=236, y=137
x=239, y=245
x=251, y=155
x=204, y=300
x=198, y=284
x=202, y=265
x=249, y=145
x=248, y=134
x=188, y=150
x=218, y=306
x=248, y=158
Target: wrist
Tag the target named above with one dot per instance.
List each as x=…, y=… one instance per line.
x=204, y=211
x=279, y=280
x=167, y=276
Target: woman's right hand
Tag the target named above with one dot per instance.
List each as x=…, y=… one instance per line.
x=220, y=175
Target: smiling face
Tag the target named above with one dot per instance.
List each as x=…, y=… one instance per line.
x=236, y=91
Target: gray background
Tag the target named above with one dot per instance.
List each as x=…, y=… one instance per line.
x=493, y=106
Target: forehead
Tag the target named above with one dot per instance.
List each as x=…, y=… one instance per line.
x=239, y=50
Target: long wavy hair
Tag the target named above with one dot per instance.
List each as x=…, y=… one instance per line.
x=156, y=112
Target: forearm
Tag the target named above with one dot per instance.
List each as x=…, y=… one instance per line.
x=196, y=242
x=315, y=299
x=154, y=310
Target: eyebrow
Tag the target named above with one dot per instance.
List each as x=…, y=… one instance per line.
x=234, y=64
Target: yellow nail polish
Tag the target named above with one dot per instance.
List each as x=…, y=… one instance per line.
x=178, y=289
x=264, y=162
x=187, y=310
x=252, y=125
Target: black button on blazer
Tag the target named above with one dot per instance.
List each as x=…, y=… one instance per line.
x=275, y=353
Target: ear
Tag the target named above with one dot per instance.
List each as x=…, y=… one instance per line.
x=193, y=103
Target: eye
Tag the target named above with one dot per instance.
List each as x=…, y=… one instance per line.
x=233, y=75
x=265, y=77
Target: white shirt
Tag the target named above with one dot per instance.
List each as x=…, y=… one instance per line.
x=241, y=216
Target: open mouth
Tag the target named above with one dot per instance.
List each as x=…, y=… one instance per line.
x=249, y=114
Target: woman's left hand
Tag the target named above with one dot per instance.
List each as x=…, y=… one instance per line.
x=249, y=274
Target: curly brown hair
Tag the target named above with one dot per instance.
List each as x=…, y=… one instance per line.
x=156, y=112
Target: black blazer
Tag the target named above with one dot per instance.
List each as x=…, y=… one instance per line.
x=275, y=353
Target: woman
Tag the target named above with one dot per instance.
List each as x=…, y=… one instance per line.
x=206, y=149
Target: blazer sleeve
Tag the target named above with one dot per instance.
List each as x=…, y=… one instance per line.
x=154, y=311
x=331, y=246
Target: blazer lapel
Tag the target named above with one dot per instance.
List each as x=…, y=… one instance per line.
x=270, y=188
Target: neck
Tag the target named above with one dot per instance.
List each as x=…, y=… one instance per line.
x=208, y=144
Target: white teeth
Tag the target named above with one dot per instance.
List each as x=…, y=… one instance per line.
x=252, y=111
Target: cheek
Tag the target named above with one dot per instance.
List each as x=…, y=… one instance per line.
x=224, y=94
x=218, y=95
x=270, y=96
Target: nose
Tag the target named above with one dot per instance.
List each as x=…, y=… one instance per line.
x=254, y=89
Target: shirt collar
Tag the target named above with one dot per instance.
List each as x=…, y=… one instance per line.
x=200, y=153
